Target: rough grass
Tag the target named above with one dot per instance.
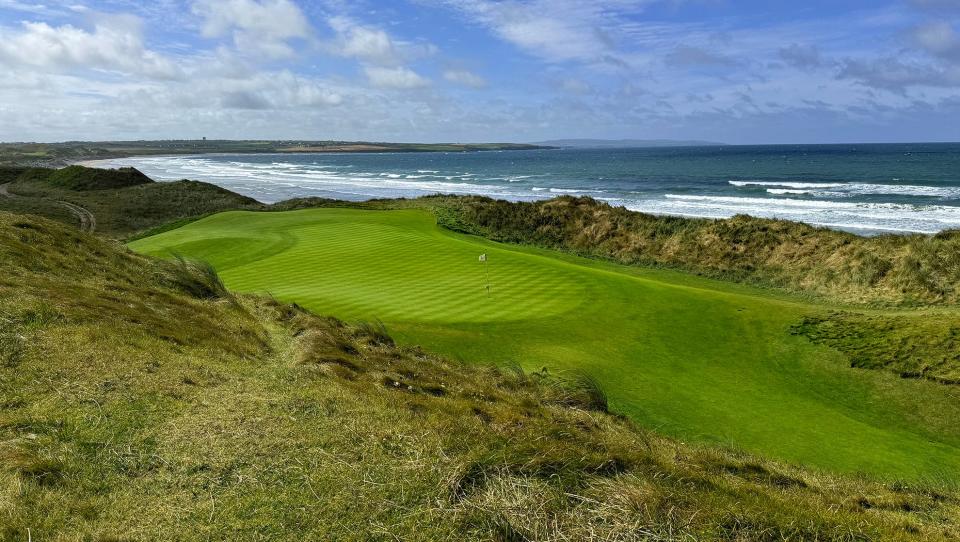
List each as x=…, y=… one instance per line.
x=911, y=347
x=80, y=178
x=701, y=360
x=890, y=269
x=135, y=206
x=141, y=410
x=898, y=269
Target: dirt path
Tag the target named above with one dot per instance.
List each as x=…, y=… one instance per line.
x=88, y=222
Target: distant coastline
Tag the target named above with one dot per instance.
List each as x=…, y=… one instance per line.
x=625, y=143
x=77, y=152
x=867, y=189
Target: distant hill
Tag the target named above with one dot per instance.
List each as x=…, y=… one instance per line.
x=71, y=152
x=624, y=143
x=82, y=178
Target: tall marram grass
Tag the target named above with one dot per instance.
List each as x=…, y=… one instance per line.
x=197, y=278
x=575, y=389
x=887, y=269
x=143, y=408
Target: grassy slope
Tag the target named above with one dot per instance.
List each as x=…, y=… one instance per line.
x=909, y=346
x=119, y=212
x=138, y=400
x=80, y=178
x=693, y=358
x=899, y=269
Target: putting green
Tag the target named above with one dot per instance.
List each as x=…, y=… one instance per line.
x=692, y=358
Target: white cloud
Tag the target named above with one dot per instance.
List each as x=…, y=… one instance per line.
x=554, y=30
x=400, y=77
x=465, y=78
x=277, y=90
x=259, y=26
x=373, y=45
x=115, y=43
x=38, y=9
x=363, y=42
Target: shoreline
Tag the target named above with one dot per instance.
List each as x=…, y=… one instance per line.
x=398, y=178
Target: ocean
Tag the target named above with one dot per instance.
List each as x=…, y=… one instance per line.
x=866, y=189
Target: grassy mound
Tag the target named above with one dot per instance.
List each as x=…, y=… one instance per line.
x=142, y=401
x=80, y=178
x=698, y=359
x=121, y=210
x=907, y=269
x=10, y=174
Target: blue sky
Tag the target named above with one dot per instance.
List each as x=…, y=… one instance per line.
x=481, y=70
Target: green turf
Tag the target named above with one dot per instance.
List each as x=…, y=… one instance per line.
x=693, y=358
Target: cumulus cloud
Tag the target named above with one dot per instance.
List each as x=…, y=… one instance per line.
x=373, y=45
x=465, y=78
x=258, y=26
x=278, y=90
x=116, y=43
x=398, y=78
x=363, y=42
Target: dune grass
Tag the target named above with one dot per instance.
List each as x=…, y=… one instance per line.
x=916, y=270
x=138, y=401
x=693, y=358
x=124, y=202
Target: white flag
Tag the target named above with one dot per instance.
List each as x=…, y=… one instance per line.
x=483, y=257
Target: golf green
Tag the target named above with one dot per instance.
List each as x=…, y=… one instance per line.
x=697, y=359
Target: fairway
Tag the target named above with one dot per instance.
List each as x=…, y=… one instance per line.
x=691, y=358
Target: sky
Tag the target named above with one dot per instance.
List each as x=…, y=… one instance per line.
x=481, y=70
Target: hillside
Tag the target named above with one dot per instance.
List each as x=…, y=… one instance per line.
x=142, y=400
x=901, y=270
x=701, y=360
x=889, y=269
x=795, y=257
x=118, y=203
x=80, y=178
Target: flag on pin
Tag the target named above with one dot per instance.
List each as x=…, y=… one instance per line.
x=483, y=257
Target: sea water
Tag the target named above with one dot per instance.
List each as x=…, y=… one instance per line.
x=861, y=188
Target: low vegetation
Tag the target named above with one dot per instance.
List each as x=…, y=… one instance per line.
x=819, y=262
x=80, y=178
x=140, y=400
x=910, y=347
x=700, y=359
x=897, y=269
x=123, y=201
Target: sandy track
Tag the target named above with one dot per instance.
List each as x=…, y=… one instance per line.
x=88, y=222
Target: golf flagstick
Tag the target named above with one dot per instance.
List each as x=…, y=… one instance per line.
x=483, y=260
